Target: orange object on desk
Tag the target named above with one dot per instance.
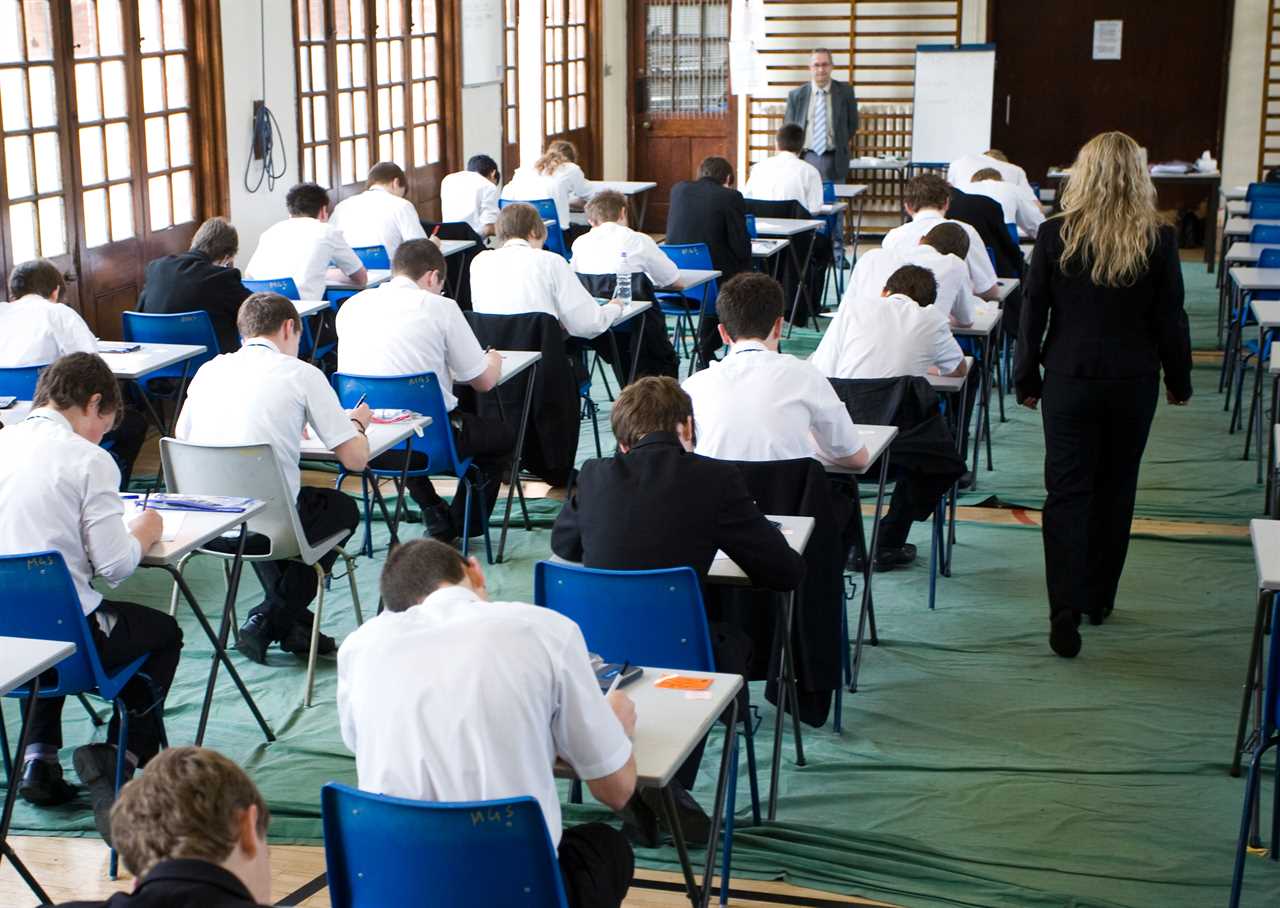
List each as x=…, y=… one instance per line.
x=684, y=682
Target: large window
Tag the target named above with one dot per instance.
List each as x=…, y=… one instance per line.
x=565, y=72
x=686, y=57
x=369, y=87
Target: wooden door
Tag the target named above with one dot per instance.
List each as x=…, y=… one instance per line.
x=681, y=109
x=1167, y=90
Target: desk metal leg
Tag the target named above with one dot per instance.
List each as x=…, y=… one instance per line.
x=725, y=792
x=514, y=483
x=802, y=288
x=218, y=643
x=382, y=506
x=985, y=418
x=696, y=361
x=1268, y=507
x=1252, y=680
x=11, y=795
x=869, y=569
x=782, y=692
x=672, y=817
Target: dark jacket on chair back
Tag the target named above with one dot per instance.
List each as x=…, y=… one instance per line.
x=657, y=355
x=180, y=883
x=190, y=282
x=703, y=211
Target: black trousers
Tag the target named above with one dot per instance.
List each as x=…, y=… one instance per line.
x=596, y=865
x=490, y=441
x=825, y=162
x=1095, y=431
x=914, y=497
x=138, y=630
x=126, y=441
x=291, y=585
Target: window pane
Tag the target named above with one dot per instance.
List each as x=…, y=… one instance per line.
x=119, y=160
x=152, y=84
x=383, y=68
x=158, y=196
x=175, y=73
x=346, y=163
x=183, y=203
x=384, y=106
x=92, y=165
x=53, y=227
x=317, y=17
x=397, y=105
x=175, y=25
x=396, y=50
x=416, y=54
x=113, y=91
x=362, y=157
x=95, y=217
x=17, y=166
x=344, y=114
x=318, y=80
x=420, y=144
x=44, y=104
x=22, y=231
x=10, y=32
x=397, y=148
x=323, y=176
x=157, y=144
x=320, y=114
x=13, y=99
x=360, y=111
x=149, y=27
x=84, y=28
x=87, y=106
x=384, y=147
x=48, y=163
x=110, y=28
x=433, y=144
x=121, y=211
x=344, y=66
x=304, y=69
x=359, y=65
x=433, y=100
x=179, y=140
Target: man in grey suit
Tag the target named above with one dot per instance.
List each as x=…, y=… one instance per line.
x=828, y=126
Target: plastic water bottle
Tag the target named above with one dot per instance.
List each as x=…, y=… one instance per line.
x=622, y=287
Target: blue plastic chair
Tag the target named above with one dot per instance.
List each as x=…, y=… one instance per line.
x=828, y=192
x=547, y=209
x=751, y=226
x=378, y=850
x=286, y=287
x=1267, y=737
x=1242, y=351
x=42, y=604
x=1013, y=233
x=1265, y=209
x=422, y=394
x=172, y=328
x=695, y=257
x=1262, y=191
x=1264, y=234
x=645, y=618
x=373, y=256
x=20, y=381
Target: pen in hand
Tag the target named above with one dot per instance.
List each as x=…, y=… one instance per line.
x=145, y=499
x=617, y=679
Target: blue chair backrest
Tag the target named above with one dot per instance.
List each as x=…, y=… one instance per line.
x=373, y=256
x=20, y=381
x=173, y=328
x=694, y=257
x=419, y=393
x=828, y=192
x=1013, y=233
x=1269, y=258
x=1262, y=191
x=641, y=617
x=1271, y=679
x=991, y=254
x=547, y=210
x=281, y=285
x=1265, y=210
x=40, y=602
x=379, y=850
x=1265, y=233
x=751, y=226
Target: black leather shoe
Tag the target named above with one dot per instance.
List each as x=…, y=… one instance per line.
x=96, y=766
x=888, y=558
x=42, y=784
x=965, y=482
x=254, y=640
x=640, y=823
x=298, y=642
x=438, y=523
x=694, y=822
x=1064, y=639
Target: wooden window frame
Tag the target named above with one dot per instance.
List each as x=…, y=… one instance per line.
x=510, y=87
x=590, y=90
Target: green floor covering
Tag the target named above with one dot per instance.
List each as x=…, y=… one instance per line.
x=975, y=768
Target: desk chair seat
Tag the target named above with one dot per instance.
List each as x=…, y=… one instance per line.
x=286, y=287
x=251, y=471
x=41, y=603
x=683, y=304
x=456, y=858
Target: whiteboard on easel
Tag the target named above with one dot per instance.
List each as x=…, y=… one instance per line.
x=951, y=115
x=482, y=39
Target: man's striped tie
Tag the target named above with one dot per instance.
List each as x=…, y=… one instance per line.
x=818, y=141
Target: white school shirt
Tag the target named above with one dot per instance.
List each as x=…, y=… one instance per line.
x=981, y=271
x=874, y=268
x=468, y=196
x=259, y=395
x=400, y=329
x=377, y=217
x=886, y=337
x=1017, y=206
x=517, y=278
x=301, y=248
x=960, y=172
x=527, y=185
x=458, y=699
x=599, y=251
x=759, y=405
x=60, y=492
x=783, y=178
x=35, y=331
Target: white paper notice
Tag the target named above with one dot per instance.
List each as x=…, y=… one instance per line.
x=1107, y=34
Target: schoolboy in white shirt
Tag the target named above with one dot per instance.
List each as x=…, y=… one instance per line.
x=264, y=394
x=381, y=215
x=556, y=176
x=1019, y=207
x=303, y=245
x=442, y=657
x=520, y=277
x=759, y=404
x=471, y=195
x=59, y=492
x=961, y=171
x=36, y=328
x=926, y=198
x=786, y=176
x=405, y=327
x=600, y=250
x=942, y=250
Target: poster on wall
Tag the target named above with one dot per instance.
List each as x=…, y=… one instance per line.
x=747, y=72
x=1107, y=35
x=481, y=42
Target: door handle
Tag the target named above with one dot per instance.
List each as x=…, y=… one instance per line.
x=646, y=125
x=1008, y=104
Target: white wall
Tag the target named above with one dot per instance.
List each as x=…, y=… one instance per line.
x=482, y=122
x=242, y=80
x=614, y=86
x=1244, y=93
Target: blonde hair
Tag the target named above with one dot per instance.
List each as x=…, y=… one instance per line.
x=1109, y=219
x=557, y=153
